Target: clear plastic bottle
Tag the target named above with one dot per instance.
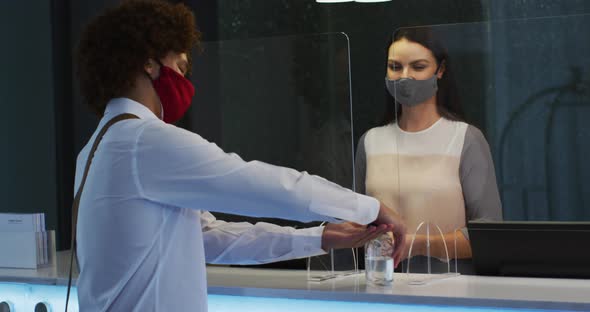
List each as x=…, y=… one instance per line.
x=379, y=260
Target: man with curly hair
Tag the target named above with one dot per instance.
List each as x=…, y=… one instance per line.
x=143, y=230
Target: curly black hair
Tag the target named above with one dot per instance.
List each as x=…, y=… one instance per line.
x=116, y=45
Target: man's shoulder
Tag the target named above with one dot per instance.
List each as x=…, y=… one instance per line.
x=162, y=134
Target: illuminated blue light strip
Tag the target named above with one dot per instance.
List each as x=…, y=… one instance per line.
x=24, y=297
x=224, y=303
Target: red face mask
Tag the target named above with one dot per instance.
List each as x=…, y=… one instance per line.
x=175, y=92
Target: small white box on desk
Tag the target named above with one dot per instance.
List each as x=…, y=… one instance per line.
x=25, y=250
x=22, y=222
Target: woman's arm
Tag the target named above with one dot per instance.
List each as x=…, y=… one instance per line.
x=478, y=179
x=480, y=192
x=360, y=167
x=437, y=245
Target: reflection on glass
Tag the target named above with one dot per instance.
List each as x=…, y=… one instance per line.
x=543, y=108
x=281, y=100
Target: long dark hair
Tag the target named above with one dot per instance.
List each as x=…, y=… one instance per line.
x=447, y=99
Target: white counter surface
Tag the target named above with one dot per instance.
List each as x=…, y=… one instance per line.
x=464, y=290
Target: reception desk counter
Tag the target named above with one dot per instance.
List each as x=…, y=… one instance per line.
x=248, y=289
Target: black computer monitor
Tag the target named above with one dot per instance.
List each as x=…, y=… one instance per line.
x=530, y=248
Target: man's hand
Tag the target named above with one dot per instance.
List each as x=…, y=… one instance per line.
x=389, y=217
x=350, y=235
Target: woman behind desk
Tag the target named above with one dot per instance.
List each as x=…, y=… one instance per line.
x=425, y=159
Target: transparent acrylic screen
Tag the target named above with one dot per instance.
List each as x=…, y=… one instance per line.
x=523, y=83
x=526, y=85
x=281, y=100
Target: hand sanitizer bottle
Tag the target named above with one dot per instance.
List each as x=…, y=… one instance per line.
x=379, y=260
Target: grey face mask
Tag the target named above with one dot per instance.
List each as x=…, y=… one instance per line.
x=411, y=92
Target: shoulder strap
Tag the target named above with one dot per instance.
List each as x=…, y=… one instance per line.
x=76, y=202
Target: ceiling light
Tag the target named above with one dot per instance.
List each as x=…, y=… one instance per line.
x=332, y=1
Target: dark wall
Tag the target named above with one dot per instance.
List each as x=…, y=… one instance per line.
x=28, y=158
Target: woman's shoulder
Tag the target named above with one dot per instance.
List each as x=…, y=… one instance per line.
x=473, y=132
x=458, y=125
x=373, y=139
x=378, y=132
x=473, y=137
x=468, y=131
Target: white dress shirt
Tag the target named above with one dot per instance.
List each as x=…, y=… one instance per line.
x=143, y=230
